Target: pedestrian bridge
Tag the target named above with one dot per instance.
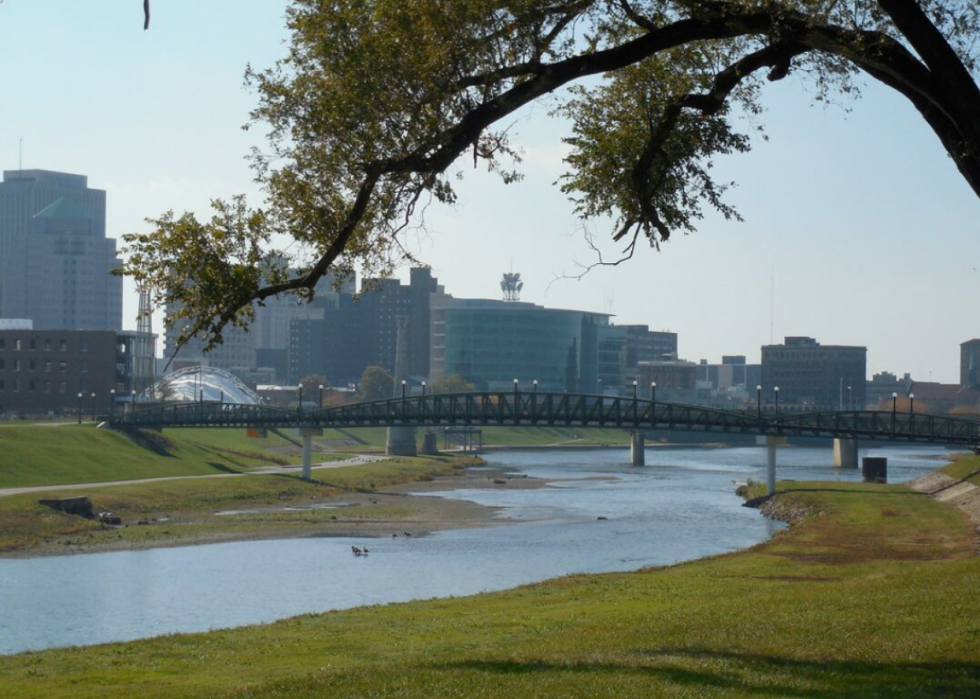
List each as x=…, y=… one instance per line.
x=534, y=409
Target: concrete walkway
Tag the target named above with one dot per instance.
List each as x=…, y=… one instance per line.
x=358, y=460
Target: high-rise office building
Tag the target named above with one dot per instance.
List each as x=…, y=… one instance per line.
x=55, y=259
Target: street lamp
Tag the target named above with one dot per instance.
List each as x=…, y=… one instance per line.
x=653, y=391
x=894, y=402
x=776, y=391
x=300, y=390
x=320, y=401
x=850, y=399
x=93, y=407
x=758, y=400
x=404, y=388
x=79, y=410
x=534, y=385
x=423, y=389
x=112, y=402
x=911, y=402
x=634, y=390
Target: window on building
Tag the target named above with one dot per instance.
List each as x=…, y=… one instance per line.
x=1, y=365
x=62, y=387
x=63, y=346
x=47, y=345
x=47, y=367
x=3, y=343
x=32, y=385
x=33, y=343
x=15, y=386
x=3, y=386
x=16, y=365
x=62, y=365
x=83, y=367
x=33, y=365
x=16, y=345
x=84, y=345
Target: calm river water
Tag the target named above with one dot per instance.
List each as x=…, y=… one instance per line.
x=680, y=507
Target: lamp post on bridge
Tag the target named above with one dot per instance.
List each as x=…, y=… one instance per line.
x=894, y=402
x=79, y=410
x=776, y=392
x=320, y=399
x=653, y=391
x=404, y=390
x=93, y=406
x=534, y=386
x=112, y=402
x=850, y=399
x=911, y=403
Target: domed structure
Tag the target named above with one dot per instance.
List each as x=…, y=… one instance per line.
x=191, y=383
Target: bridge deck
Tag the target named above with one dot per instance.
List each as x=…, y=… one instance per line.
x=560, y=409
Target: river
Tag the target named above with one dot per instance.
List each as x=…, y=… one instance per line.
x=680, y=507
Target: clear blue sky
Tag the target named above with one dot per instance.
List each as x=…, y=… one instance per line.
x=871, y=236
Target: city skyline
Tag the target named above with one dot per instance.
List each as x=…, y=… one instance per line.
x=881, y=239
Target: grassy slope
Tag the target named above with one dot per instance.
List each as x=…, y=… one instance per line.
x=190, y=506
x=32, y=456
x=874, y=597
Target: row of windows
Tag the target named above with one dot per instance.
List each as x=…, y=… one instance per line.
x=32, y=344
x=32, y=386
x=33, y=364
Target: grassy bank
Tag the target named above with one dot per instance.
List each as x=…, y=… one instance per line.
x=31, y=456
x=871, y=597
x=187, y=511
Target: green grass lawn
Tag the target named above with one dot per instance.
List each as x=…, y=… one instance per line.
x=31, y=456
x=872, y=597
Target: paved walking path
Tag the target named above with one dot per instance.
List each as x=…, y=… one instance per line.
x=353, y=461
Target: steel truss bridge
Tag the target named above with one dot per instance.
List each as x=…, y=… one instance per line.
x=534, y=409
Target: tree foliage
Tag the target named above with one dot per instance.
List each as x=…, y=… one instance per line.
x=376, y=384
x=380, y=103
x=453, y=383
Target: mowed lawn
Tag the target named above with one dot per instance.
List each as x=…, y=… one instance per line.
x=31, y=456
x=873, y=596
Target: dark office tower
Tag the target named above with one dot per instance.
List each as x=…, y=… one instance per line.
x=55, y=259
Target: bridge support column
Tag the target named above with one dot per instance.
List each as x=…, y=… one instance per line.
x=308, y=433
x=772, y=443
x=637, y=449
x=845, y=452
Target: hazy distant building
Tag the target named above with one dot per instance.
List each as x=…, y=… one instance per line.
x=670, y=375
x=970, y=364
x=879, y=390
x=340, y=340
x=263, y=350
x=55, y=259
x=814, y=375
x=733, y=372
x=623, y=347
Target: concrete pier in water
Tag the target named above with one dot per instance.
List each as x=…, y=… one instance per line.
x=846, y=452
x=637, y=449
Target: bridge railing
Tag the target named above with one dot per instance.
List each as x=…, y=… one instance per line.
x=561, y=409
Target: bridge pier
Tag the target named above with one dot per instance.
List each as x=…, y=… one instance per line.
x=308, y=433
x=637, y=449
x=846, y=452
x=772, y=442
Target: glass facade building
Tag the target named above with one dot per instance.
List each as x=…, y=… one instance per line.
x=491, y=343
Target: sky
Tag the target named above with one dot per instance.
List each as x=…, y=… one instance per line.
x=858, y=229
